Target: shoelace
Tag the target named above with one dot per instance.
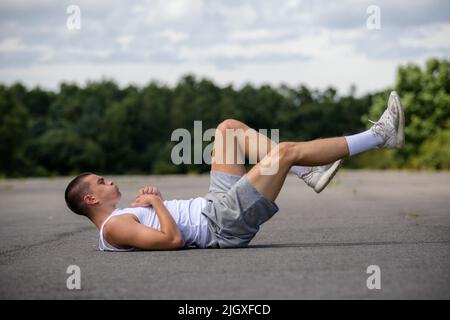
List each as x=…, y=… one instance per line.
x=307, y=175
x=378, y=125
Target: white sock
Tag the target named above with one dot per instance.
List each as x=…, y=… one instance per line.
x=298, y=170
x=363, y=141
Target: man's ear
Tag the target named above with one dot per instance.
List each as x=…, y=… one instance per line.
x=90, y=199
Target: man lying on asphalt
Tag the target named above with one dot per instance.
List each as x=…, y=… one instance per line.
x=238, y=202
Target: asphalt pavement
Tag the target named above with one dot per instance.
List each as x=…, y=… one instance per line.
x=315, y=247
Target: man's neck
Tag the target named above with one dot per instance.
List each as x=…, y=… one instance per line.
x=101, y=215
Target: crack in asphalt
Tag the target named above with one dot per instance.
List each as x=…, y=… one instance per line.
x=58, y=237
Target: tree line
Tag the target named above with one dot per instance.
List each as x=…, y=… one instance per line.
x=102, y=127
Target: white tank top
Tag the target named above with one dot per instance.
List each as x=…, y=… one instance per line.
x=187, y=215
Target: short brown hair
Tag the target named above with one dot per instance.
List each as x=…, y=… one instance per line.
x=75, y=192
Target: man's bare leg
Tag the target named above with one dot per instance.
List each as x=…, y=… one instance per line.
x=242, y=143
x=387, y=132
x=222, y=148
x=246, y=143
x=287, y=154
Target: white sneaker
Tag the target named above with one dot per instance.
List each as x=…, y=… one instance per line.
x=319, y=177
x=391, y=126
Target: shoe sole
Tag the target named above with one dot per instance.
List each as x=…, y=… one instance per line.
x=401, y=120
x=327, y=176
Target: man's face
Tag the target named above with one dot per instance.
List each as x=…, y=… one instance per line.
x=104, y=191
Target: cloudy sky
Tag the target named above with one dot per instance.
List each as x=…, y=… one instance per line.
x=314, y=42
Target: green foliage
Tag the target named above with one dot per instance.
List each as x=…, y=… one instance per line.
x=161, y=167
x=101, y=127
x=14, y=127
x=425, y=95
x=65, y=152
x=434, y=153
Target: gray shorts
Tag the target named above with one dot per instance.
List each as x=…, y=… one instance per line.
x=235, y=210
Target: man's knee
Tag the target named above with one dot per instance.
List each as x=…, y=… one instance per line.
x=230, y=124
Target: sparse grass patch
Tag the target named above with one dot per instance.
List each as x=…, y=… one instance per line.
x=411, y=214
x=336, y=182
x=6, y=187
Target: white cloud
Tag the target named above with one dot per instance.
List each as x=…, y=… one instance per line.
x=172, y=11
x=292, y=4
x=125, y=41
x=174, y=36
x=11, y=44
x=312, y=41
x=430, y=37
x=257, y=34
x=236, y=17
x=311, y=46
x=318, y=73
x=14, y=46
x=176, y=9
x=79, y=52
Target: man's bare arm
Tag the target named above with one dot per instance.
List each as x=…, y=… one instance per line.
x=125, y=231
x=167, y=224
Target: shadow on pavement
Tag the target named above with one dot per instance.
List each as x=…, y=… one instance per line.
x=340, y=244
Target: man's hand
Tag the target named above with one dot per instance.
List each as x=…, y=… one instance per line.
x=150, y=190
x=146, y=200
